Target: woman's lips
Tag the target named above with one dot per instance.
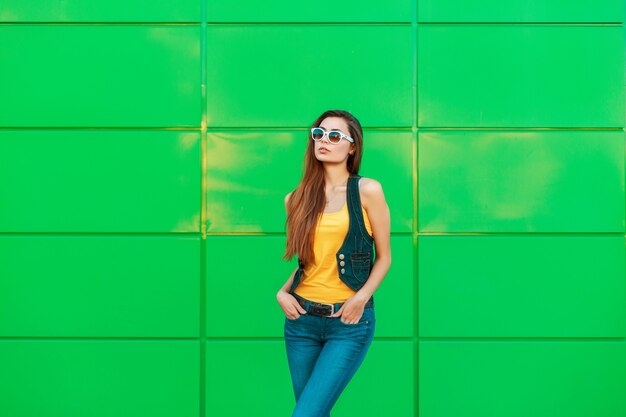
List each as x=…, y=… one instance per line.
x=324, y=150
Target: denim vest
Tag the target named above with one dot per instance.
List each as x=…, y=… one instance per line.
x=355, y=257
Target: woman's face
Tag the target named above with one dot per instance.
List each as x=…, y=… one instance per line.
x=329, y=152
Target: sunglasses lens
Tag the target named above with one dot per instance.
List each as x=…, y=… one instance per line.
x=334, y=137
x=317, y=133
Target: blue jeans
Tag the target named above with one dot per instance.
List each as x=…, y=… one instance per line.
x=323, y=354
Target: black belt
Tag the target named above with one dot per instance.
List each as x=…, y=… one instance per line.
x=323, y=309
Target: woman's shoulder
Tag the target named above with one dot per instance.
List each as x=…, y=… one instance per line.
x=370, y=189
x=287, y=198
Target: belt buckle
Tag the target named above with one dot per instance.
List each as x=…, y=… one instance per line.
x=320, y=309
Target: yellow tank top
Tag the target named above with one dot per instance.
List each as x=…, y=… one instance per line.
x=320, y=279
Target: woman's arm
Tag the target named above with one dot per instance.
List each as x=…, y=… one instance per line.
x=287, y=284
x=287, y=301
x=374, y=203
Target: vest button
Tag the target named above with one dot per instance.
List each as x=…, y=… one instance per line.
x=343, y=270
x=342, y=263
x=341, y=256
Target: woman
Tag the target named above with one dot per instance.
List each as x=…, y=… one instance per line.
x=334, y=218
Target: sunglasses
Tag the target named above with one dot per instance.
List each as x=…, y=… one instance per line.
x=334, y=136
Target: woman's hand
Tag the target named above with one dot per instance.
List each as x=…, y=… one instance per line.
x=290, y=305
x=351, y=310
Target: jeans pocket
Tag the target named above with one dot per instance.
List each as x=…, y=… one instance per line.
x=368, y=316
x=364, y=320
x=296, y=319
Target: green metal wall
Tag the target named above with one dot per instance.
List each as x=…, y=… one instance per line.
x=146, y=147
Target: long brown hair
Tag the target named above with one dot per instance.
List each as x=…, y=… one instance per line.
x=308, y=199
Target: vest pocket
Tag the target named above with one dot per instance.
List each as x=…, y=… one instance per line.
x=360, y=262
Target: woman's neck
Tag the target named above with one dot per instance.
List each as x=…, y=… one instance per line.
x=335, y=176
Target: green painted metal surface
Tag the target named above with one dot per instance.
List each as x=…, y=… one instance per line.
x=99, y=377
x=520, y=75
x=312, y=12
x=100, y=181
x=300, y=78
x=521, y=11
x=146, y=147
x=542, y=378
x=110, y=11
x=522, y=286
x=84, y=75
x=521, y=181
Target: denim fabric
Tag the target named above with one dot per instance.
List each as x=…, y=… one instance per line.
x=323, y=355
